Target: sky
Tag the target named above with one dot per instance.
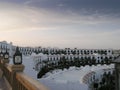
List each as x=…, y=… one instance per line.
x=61, y=23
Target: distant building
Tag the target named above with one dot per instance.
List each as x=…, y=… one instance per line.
x=6, y=46
x=56, y=53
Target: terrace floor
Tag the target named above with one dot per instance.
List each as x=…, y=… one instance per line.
x=3, y=85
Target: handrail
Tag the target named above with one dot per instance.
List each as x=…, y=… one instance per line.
x=28, y=82
x=17, y=79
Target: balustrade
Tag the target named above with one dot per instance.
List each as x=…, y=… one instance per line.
x=17, y=79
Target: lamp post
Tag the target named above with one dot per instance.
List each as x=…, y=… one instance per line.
x=1, y=55
x=16, y=67
x=17, y=58
x=6, y=57
x=17, y=61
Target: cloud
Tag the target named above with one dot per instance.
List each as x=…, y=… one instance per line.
x=15, y=16
x=28, y=2
x=85, y=29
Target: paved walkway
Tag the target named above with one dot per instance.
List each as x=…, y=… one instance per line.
x=2, y=84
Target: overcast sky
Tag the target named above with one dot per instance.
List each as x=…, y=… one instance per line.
x=61, y=23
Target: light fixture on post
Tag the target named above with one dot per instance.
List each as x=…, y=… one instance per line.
x=17, y=58
x=6, y=55
x=1, y=55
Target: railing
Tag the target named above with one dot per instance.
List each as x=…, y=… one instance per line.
x=18, y=80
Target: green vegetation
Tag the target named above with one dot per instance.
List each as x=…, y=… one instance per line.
x=65, y=63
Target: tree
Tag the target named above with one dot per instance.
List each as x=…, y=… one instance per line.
x=107, y=61
x=73, y=52
x=82, y=61
x=95, y=85
x=102, y=62
x=43, y=71
x=94, y=61
x=99, y=52
x=89, y=61
x=95, y=51
x=98, y=62
x=107, y=82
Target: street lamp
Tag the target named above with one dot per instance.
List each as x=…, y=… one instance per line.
x=1, y=55
x=17, y=58
x=6, y=55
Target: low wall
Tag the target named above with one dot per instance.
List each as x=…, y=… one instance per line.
x=16, y=79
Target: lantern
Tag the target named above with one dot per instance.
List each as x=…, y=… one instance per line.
x=1, y=54
x=17, y=58
x=6, y=55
